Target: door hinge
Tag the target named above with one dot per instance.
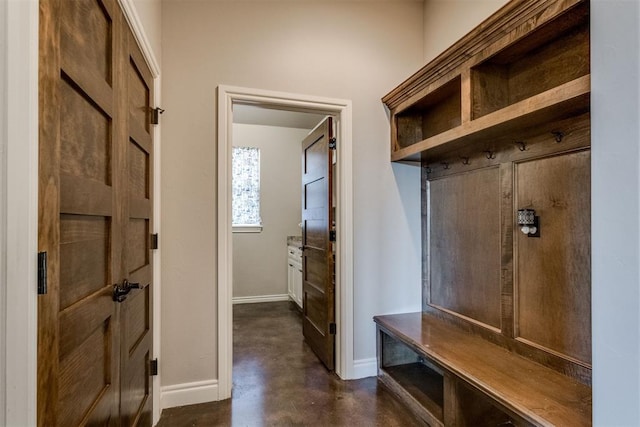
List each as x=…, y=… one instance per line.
x=333, y=143
x=153, y=367
x=155, y=115
x=332, y=235
x=42, y=273
x=154, y=241
x=332, y=328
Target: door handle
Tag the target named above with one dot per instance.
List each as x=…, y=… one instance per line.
x=120, y=292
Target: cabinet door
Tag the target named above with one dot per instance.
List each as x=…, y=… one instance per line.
x=290, y=280
x=297, y=285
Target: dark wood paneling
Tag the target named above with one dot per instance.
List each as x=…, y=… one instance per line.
x=136, y=409
x=464, y=245
x=78, y=322
x=85, y=134
x=315, y=270
x=138, y=171
x=84, y=256
x=554, y=271
x=139, y=108
x=138, y=244
x=550, y=65
x=84, y=376
x=137, y=317
x=314, y=308
x=86, y=33
x=538, y=144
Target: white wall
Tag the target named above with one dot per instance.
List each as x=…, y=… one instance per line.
x=3, y=205
x=150, y=14
x=347, y=50
x=260, y=259
x=615, y=133
x=447, y=21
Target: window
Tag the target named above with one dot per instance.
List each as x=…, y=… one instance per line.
x=246, y=190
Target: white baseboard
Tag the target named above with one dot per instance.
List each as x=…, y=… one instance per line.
x=363, y=368
x=260, y=298
x=189, y=393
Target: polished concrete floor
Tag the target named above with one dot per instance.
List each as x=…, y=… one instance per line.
x=278, y=381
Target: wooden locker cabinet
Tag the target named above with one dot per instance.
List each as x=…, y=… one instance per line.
x=499, y=122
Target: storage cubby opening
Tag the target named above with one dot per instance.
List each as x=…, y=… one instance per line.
x=551, y=56
x=479, y=411
x=414, y=374
x=437, y=112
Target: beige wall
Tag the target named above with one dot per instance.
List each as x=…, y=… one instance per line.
x=150, y=14
x=356, y=50
x=446, y=21
x=260, y=259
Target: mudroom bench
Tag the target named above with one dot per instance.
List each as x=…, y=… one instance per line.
x=450, y=377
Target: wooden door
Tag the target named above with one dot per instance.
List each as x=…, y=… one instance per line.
x=136, y=316
x=318, y=274
x=86, y=373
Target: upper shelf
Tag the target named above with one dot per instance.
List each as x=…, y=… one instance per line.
x=525, y=66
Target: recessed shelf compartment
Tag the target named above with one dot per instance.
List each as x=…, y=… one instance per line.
x=478, y=411
x=414, y=374
x=437, y=112
x=567, y=100
x=551, y=56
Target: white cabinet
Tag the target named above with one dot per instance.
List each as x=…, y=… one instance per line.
x=294, y=274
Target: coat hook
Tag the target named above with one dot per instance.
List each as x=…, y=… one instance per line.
x=445, y=165
x=490, y=154
x=522, y=146
x=465, y=160
x=558, y=135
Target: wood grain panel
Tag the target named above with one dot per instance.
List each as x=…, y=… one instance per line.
x=314, y=308
x=138, y=171
x=315, y=270
x=81, y=320
x=84, y=256
x=85, y=136
x=553, y=281
x=442, y=116
x=84, y=376
x=86, y=35
x=83, y=196
x=409, y=130
x=139, y=108
x=464, y=245
x=316, y=234
x=137, y=386
x=550, y=65
x=314, y=160
x=316, y=195
x=138, y=244
x=137, y=317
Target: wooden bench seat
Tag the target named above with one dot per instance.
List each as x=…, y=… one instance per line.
x=455, y=369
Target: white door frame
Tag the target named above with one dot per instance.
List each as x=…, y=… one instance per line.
x=342, y=109
x=19, y=110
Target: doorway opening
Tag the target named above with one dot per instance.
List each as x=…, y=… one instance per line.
x=228, y=98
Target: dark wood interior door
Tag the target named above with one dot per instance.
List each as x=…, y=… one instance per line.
x=137, y=310
x=318, y=278
x=93, y=350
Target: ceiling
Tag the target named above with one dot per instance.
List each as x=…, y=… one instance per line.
x=270, y=116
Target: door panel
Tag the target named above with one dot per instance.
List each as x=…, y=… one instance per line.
x=137, y=338
x=318, y=286
x=93, y=353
